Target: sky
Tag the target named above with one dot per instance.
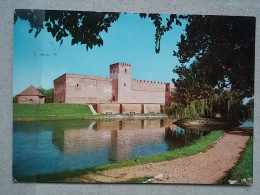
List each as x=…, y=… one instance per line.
x=38, y=61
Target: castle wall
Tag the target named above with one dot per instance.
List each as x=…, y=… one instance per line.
x=141, y=85
x=59, y=89
x=115, y=90
x=151, y=108
x=119, y=88
x=131, y=108
x=108, y=108
x=88, y=89
x=148, y=91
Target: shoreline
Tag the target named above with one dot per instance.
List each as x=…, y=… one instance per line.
x=200, y=145
x=235, y=144
x=95, y=117
x=207, y=122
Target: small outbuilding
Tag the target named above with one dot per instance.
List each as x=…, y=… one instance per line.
x=30, y=96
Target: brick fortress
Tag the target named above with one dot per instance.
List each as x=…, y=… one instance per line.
x=119, y=93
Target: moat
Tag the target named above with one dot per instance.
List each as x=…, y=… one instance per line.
x=52, y=146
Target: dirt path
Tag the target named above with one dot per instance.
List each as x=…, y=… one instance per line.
x=203, y=168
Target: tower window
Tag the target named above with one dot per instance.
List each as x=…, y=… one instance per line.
x=125, y=70
x=77, y=85
x=124, y=84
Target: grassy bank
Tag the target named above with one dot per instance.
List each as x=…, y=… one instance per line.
x=50, y=111
x=197, y=146
x=31, y=112
x=243, y=169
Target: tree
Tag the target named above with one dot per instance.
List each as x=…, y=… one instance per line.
x=85, y=27
x=14, y=99
x=216, y=53
x=226, y=104
x=217, y=68
x=48, y=93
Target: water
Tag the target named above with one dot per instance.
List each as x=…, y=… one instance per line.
x=52, y=146
x=247, y=123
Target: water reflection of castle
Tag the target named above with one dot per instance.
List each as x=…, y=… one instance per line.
x=120, y=137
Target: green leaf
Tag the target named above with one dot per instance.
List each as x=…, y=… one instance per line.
x=74, y=40
x=37, y=32
x=142, y=15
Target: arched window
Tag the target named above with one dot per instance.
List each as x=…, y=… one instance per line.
x=124, y=84
x=125, y=70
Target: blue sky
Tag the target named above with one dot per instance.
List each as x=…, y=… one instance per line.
x=38, y=61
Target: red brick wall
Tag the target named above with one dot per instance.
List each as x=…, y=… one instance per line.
x=59, y=89
x=131, y=108
x=128, y=90
x=115, y=90
x=30, y=100
x=148, y=91
x=151, y=108
x=123, y=73
x=108, y=108
x=118, y=88
x=88, y=89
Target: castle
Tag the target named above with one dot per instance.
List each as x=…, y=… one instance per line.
x=119, y=93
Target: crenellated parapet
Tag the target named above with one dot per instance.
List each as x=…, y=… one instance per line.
x=124, y=64
x=145, y=81
x=121, y=64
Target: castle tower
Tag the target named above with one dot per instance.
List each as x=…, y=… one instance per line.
x=122, y=80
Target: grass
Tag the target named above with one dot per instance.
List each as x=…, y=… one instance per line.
x=244, y=168
x=197, y=146
x=50, y=111
x=30, y=112
x=137, y=179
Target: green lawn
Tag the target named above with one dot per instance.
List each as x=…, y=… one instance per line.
x=244, y=168
x=50, y=111
x=197, y=146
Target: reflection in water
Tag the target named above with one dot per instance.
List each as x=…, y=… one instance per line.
x=119, y=137
x=52, y=146
x=179, y=137
x=247, y=123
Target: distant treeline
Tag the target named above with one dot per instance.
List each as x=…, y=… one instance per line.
x=49, y=93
